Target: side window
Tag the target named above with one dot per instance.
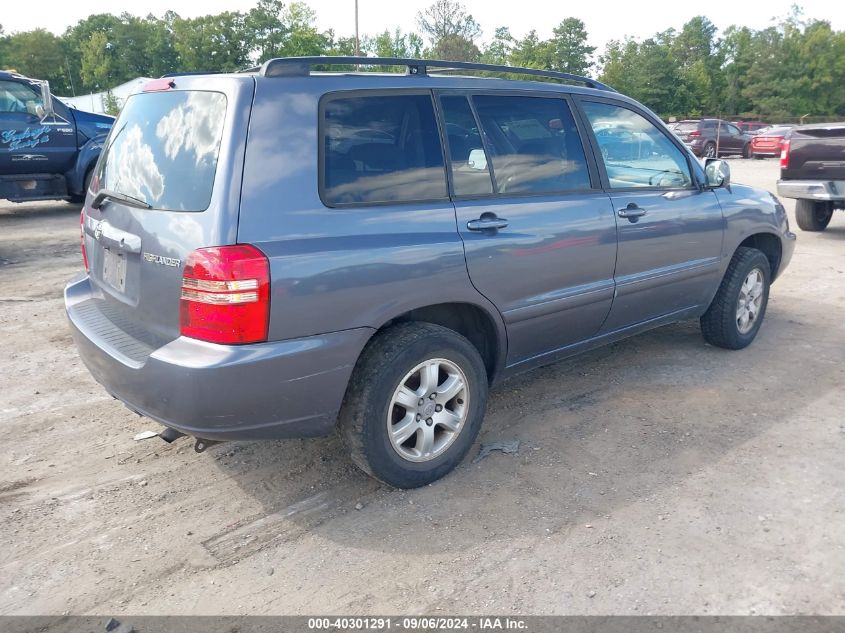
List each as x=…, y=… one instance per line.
x=17, y=98
x=381, y=148
x=733, y=130
x=534, y=144
x=635, y=152
x=468, y=162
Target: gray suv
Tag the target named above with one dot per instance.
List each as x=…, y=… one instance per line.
x=275, y=253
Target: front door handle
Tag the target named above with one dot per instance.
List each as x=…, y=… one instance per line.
x=632, y=211
x=487, y=223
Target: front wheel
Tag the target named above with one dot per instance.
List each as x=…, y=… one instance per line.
x=710, y=150
x=736, y=313
x=746, y=151
x=414, y=404
x=813, y=215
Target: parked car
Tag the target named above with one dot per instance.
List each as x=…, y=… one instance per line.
x=47, y=150
x=750, y=127
x=254, y=270
x=710, y=138
x=769, y=142
x=812, y=170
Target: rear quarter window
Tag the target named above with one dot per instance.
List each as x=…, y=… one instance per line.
x=163, y=149
x=380, y=149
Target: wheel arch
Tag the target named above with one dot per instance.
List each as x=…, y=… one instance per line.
x=477, y=324
x=770, y=245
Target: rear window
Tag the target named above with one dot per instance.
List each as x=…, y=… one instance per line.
x=381, y=149
x=775, y=131
x=163, y=149
x=686, y=126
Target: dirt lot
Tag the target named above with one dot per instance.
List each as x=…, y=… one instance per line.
x=658, y=475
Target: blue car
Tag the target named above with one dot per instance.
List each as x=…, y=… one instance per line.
x=47, y=150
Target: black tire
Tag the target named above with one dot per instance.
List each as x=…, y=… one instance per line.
x=709, y=150
x=719, y=324
x=813, y=215
x=383, y=364
x=746, y=151
x=86, y=184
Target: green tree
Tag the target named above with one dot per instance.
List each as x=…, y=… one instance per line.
x=500, y=48
x=96, y=61
x=265, y=30
x=395, y=44
x=570, y=52
x=698, y=58
x=303, y=38
x=531, y=52
x=37, y=54
x=211, y=42
x=451, y=30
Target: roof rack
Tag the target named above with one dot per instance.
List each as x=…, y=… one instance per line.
x=301, y=67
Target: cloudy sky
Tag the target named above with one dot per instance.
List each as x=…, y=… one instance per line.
x=604, y=20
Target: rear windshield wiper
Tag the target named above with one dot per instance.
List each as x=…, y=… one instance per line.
x=108, y=194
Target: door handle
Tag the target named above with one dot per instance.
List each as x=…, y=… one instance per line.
x=487, y=223
x=632, y=212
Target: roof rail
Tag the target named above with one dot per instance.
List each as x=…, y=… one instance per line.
x=301, y=67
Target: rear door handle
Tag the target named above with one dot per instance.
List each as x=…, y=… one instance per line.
x=631, y=211
x=486, y=223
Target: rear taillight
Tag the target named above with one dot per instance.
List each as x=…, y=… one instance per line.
x=82, y=239
x=226, y=295
x=784, y=155
x=695, y=133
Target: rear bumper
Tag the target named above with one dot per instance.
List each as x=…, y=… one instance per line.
x=812, y=189
x=279, y=389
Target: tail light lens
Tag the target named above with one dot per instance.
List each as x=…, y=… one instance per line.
x=82, y=239
x=695, y=133
x=784, y=155
x=226, y=295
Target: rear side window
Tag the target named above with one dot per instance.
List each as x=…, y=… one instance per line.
x=380, y=149
x=534, y=144
x=163, y=149
x=467, y=159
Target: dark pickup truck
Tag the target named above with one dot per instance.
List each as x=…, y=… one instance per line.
x=47, y=150
x=812, y=170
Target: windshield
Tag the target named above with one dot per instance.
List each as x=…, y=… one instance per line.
x=163, y=149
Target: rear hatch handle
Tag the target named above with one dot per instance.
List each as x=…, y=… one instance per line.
x=112, y=237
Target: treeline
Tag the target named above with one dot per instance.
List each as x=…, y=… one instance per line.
x=794, y=68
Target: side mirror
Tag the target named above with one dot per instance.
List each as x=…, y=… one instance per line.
x=46, y=110
x=717, y=173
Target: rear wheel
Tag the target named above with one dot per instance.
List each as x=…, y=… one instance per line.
x=813, y=215
x=736, y=313
x=414, y=404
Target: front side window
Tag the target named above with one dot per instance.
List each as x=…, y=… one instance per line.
x=18, y=98
x=163, y=149
x=381, y=149
x=635, y=152
x=534, y=144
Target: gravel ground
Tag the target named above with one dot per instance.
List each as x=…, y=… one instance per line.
x=658, y=475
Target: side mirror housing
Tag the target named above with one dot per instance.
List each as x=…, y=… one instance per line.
x=46, y=110
x=717, y=173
